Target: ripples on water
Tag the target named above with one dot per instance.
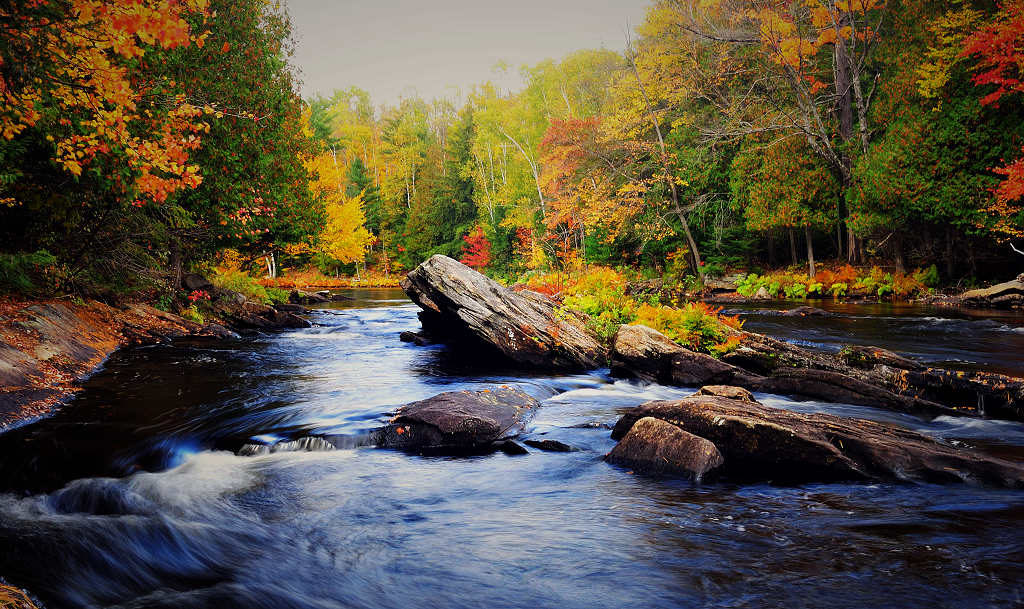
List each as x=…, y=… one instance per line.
x=134, y=497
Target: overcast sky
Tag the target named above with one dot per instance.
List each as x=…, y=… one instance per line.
x=395, y=48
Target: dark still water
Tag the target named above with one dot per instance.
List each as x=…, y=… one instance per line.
x=138, y=494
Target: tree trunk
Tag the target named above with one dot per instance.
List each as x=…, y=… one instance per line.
x=897, y=250
x=853, y=251
x=694, y=252
x=176, y=262
x=808, y=234
x=771, y=248
x=792, y=246
x=949, y=254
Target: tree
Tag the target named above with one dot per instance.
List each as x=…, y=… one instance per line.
x=813, y=73
x=999, y=49
x=344, y=236
x=784, y=186
x=477, y=250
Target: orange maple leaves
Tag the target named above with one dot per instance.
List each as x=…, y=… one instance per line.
x=84, y=54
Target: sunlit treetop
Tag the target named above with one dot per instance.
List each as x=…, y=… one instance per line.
x=68, y=69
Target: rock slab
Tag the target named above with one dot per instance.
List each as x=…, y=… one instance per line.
x=759, y=443
x=528, y=328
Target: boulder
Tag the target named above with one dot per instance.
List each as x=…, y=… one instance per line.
x=762, y=294
x=525, y=327
x=654, y=446
x=1006, y=294
x=650, y=355
x=256, y=316
x=288, y=307
x=728, y=391
x=719, y=285
x=307, y=298
x=459, y=421
x=759, y=443
x=195, y=281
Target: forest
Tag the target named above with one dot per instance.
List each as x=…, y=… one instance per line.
x=145, y=139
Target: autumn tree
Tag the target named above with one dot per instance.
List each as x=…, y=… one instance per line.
x=999, y=50
x=477, y=250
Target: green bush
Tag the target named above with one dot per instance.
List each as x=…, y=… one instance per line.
x=795, y=290
x=28, y=274
x=192, y=313
x=238, y=281
x=277, y=295
x=929, y=276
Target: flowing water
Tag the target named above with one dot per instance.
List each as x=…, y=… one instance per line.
x=183, y=476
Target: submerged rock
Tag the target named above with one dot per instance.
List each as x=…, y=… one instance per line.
x=525, y=327
x=553, y=446
x=416, y=338
x=458, y=421
x=759, y=443
x=654, y=446
x=804, y=311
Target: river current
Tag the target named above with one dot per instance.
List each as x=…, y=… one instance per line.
x=183, y=476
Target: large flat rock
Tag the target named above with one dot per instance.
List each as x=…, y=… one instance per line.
x=525, y=327
x=759, y=443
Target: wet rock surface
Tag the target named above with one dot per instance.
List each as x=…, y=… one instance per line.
x=858, y=375
x=759, y=443
x=655, y=446
x=525, y=327
x=459, y=421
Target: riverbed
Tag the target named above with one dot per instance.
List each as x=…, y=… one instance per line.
x=173, y=480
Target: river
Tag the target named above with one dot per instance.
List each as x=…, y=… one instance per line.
x=156, y=487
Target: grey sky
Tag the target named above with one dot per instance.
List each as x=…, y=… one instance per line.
x=395, y=48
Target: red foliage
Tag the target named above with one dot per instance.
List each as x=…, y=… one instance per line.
x=477, y=251
x=999, y=47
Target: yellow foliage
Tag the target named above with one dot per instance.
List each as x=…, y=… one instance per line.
x=344, y=236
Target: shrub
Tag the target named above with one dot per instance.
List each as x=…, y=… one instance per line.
x=695, y=326
x=238, y=281
x=29, y=274
x=192, y=313
x=277, y=295
x=928, y=277
x=795, y=290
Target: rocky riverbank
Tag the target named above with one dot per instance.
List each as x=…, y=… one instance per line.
x=48, y=347
x=527, y=328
